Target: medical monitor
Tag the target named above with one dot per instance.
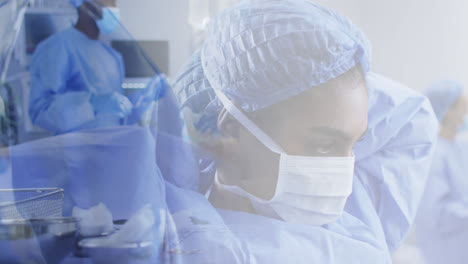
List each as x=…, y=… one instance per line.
x=42, y=24
x=141, y=57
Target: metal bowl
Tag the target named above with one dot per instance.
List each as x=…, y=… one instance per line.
x=101, y=252
x=47, y=240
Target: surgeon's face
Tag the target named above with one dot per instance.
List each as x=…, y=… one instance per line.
x=323, y=121
x=456, y=114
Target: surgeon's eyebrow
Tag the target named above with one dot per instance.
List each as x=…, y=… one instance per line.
x=336, y=133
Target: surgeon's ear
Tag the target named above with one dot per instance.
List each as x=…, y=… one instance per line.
x=228, y=126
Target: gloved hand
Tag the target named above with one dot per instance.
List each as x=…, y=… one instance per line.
x=114, y=103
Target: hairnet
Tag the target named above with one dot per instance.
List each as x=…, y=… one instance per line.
x=261, y=52
x=78, y=3
x=195, y=92
x=442, y=95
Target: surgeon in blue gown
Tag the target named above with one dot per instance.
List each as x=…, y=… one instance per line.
x=441, y=226
x=287, y=90
x=75, y=78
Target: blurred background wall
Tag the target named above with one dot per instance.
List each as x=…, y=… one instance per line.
x=415, y=42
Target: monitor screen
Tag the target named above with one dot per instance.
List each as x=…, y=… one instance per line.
x=39, y=26
x=141, y=56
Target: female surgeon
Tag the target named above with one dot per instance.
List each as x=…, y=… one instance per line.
x=441, y=225
x=308, y=156
x=75, y=78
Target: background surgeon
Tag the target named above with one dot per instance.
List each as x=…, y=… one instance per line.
x=441, y=225
x=75, y=78
x=281, y=96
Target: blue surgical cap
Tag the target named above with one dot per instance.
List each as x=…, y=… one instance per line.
x=261, y=52
x=78, y=3
x=442, y=95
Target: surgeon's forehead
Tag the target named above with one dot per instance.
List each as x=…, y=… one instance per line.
x=350, y=80
x=353, y=78
x=334, y=89
x=460, y=103
x=341, y=100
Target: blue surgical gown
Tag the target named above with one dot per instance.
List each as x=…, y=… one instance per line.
x=392, y=161
x=392, y=165
x=442, y=222
x=66, y=70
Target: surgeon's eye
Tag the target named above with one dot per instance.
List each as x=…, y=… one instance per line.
x=325, y=148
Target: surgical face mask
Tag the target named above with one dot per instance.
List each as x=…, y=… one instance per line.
x=309, y=190
x=110, y=20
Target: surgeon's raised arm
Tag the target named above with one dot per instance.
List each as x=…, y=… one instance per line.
x=396, y=154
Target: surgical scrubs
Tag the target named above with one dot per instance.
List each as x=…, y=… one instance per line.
x=442, y=222
x=66, y=70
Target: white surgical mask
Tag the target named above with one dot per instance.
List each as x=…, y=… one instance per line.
x=110, y=20
x=309, y=190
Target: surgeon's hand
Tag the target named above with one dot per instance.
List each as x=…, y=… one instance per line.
x=114, y=103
